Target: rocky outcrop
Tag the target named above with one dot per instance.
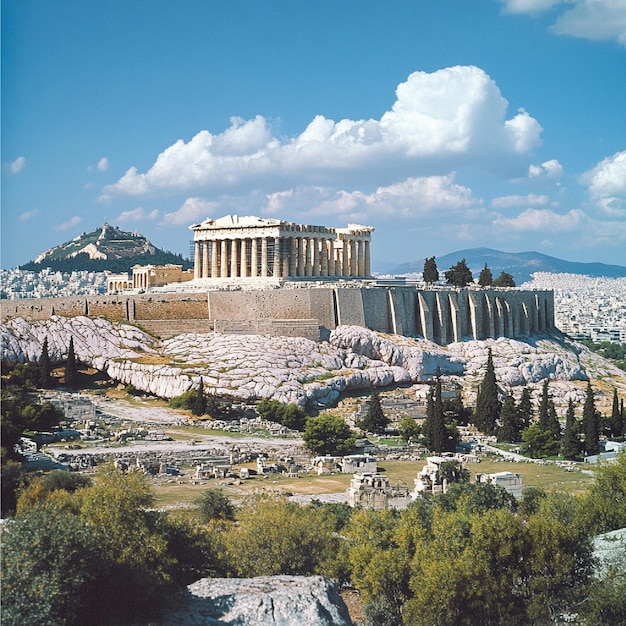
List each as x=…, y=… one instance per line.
x=262, y=601
x=291, y=369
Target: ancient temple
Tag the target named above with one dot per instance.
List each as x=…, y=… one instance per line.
x=237, y=247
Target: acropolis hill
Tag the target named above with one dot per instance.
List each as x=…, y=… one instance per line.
x=266, y=276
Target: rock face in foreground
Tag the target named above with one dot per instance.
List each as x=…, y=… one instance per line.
x=261, y=601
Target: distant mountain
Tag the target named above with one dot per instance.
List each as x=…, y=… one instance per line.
x=520, y=264
x=106, y=248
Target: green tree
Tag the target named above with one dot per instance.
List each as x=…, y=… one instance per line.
x=570, y=446
x=485, y=278
x=488, y=406
x=503, y=280
x=199, y=402
x=49, y=566
x=525, y=409
x=328, y=434
x=459, y=275
x=294, y=417
x=409, y=429
x=44, y=366
x=71, y=367
x=274, y=536
x=509, y=418
x=617, y=425
x=539, y=443
x=375, y=420
x=591, y=423
x=213, y=504
x=430, y=274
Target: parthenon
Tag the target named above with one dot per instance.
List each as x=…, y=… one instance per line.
x=234, y=247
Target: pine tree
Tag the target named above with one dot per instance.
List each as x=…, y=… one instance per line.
x=45, y=367
x=525, y=409
x=591, y=423
x=375, y=420
x=485, y=278
x=570, y=447
x=617, y=426
x=509, y=429
x=71, y=367
x=459, y=275
x=504, y=280
x=199, y=404
x=487, y=403
x=431, y=273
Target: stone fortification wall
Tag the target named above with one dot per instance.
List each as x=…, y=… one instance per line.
x=440, y=315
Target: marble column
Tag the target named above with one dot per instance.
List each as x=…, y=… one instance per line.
x=205, y=259
x=224, y=259
x=293, y=257
x=254, y=258
x=276, y=266
x=324, y=253
x=244, y=258
x=264, y=271
x=368, y=269
x=353, y=268
x=315, y=270
x=233, y=259
x=300, y=259
x=345, y=260
x=360, y=258
x=197, y=260
x=215, y=268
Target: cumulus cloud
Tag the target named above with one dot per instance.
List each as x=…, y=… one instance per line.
x=414, y=197
x=138, y=215
x=28, y=215
x=551, y=169
x=588, y=19
x=530, y=200
x=18, y=165
x=543, y=220
x=607, y=184
x=193, y=210
x=439, y=120
x=103, y=164
x=74, y=221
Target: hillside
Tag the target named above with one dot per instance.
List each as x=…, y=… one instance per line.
x=520, y=264
x=106, y=248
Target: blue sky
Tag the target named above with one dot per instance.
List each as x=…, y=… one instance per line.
x=445, y=124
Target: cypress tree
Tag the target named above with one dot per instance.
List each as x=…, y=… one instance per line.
x=485, y=278
x=509, y=429
x=439, y=432
x=570, y=448
x=199, y=403
x=431, y=273
x=71, y=367
x=45, y=367
x=525, y=409
x=544, y=407
x=487, y=403
x=591, y=423
x=617, y=425
x=428, y=425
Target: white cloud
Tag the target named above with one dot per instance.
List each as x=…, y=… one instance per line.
x=543, y=220
x=74, y=221
x=438, y=121
x=551, y=169
x=594, y=19
x=103, y=164
x=507, y=202
x=531, y=7
x=414, y=197
x=588, y=19
x=193, y=210
x=138, y=215
x=27, y=215
x=607, y=184
x=18, y=165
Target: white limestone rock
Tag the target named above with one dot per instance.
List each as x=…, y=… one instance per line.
x=261, y=601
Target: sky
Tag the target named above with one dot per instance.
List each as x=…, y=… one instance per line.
x=444, y=124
